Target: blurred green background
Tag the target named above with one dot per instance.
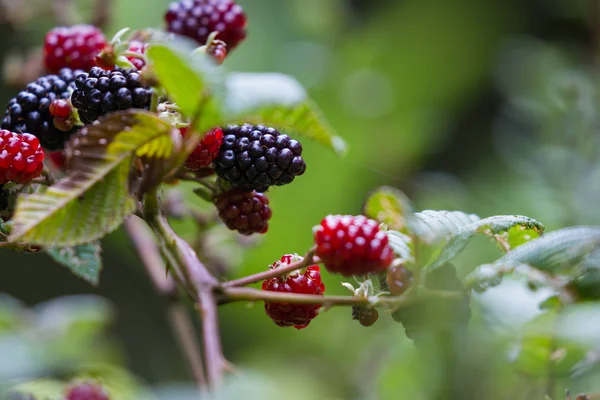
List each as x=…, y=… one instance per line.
x=431, y=97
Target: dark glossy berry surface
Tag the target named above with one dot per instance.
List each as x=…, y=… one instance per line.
x=100, y=92
x=72, y=47
x=197, y=19
x=255, y=157
x=299, y=282
x=87, y=391
x=21, y=157
x=29, y=111
x=206, y=150
x=245, y=212
x=352, y=245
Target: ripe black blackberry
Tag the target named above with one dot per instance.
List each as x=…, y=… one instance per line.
x=100, y=92
x=254, y=157
x=29, y=111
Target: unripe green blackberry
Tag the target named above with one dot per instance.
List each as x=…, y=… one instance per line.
x=100, y=92
x=255, y=157
x=29, y=111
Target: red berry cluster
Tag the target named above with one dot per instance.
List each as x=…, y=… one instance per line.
x=206, y=151
x=245, y=212
x=301, y=282
x=86, y=391
x=352, y=245
x=72, y=47
x=21, y=157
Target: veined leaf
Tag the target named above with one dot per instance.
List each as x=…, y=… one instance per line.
x=389, y=206
x=95, y=198
x=507, y=230
x=83, y=260
x=433, y=229
x=400, y=243
x=279, y=101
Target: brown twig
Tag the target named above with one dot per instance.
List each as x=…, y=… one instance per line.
x=309, y=258
x=181, y=324
x=198, y=279
x=188, y=344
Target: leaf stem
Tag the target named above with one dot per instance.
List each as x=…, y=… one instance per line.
x=309, y=258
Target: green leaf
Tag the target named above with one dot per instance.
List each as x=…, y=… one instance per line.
x=186, y=78
x=508, y=230
x=99, y=193
x=44, y=389
x=401, y=244
x=433, y=229
x=279, y=101
x=558, y=251
x=83, y=260
x=389, y=206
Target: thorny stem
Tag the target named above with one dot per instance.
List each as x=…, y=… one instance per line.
x=199, y=282
x=181, y=324
x=232, y=294
x=309, y=258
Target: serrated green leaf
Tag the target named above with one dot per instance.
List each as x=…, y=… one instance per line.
x=97, y=196
x=83, y=260
x=400, y=243
x=279, y=101
x=507, y=230
x=389, y=206
x=557, y=251
x=433, y=228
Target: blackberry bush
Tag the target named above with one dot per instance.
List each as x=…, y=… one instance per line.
x=29, y=111
x=100, y=92
x=255, y=157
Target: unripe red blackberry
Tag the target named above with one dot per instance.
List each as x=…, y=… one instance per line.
x=217, y=51
x=135, y=46
x=307, y=281
x=100, y=92
x=206, y=150
x=29, y=111
x=352, y=245
x=398, y=279
x=245, y=212
x=365, y=315
x=254, y=157
x=72, y=47
x=21, y=157
x=197, y=19
x=86, y=391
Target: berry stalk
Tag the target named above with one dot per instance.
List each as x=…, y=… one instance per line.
x=308, y=259
x=232, y=294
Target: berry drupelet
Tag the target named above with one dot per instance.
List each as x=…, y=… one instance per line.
x=352, y=245
x=254, y=157
x=100, y=92
x=206, y=150
x=299, y=282
x=29, y=111
x=245, y=212
x=72, y=47
x=21, y=157
x=197, y=19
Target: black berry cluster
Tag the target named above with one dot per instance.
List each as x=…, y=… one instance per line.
x=254, y=157
x=100, y=92
x=29, y=111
